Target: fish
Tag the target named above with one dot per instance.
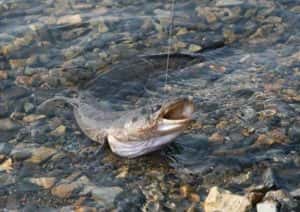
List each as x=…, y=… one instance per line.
x=129, y=132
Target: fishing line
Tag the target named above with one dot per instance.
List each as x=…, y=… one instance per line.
x=170, y=40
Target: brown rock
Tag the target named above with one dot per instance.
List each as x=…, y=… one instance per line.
x=64, y=190
x=59, y=131
x=216, y=137
x=33, y=118
x=40, y=155
x=275, y=136
x=3, y=75
x=194, y=197
x=255, y=197
x=185, y=190
x=45, y=182
x=223, y=200
x=24, y=80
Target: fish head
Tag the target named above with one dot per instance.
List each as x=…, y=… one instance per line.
x=147, y=130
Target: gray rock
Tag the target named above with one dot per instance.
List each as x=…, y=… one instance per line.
x=294, y=133
x=270, y=180
x=28, y=107
x=295, y=193
x=5, y=148
x=267, y=206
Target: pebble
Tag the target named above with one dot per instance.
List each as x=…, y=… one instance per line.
x=40, y=155
x=104, y=196
x=270, y=180
x=24, y=80
x=69, y=19
x=5, y=148
x=28, y=107
x=222, y=3
x=216, y=137
x=33, y=118
x=3, y=75
x=45, y=182
x=294, y=133
x=59, y=131
x=7, y=124
x=6, y=165
x=222, y=200
x=267, y=206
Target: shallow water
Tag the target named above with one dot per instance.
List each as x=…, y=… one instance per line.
x=243, y=75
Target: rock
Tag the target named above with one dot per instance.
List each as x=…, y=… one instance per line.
x=270, y=180
x=7, y=179
x=216, y=137
x=64, y=190
x=222, y=3
x=7, y=124
x=295, y=193
x=28, y=107
x=3, y=75
x=194, y=48
x=60, y=130
x=6, y=165
x=267, y=206
x=67, y=187
x=5, y=148
x=40, y=155
x=294, y=133
x=69, y=19
x=185, y=190
x=103, y=195
x=20, y=154
x=33, y=118
x=223, y=200
x=24, y=80
x=287, y=203
x=14, y=93
x=45, y=182
x=194, y=197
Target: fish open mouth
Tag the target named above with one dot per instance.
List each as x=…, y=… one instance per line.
x=176, y=115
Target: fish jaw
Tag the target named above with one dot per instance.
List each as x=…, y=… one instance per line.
x=138, y=148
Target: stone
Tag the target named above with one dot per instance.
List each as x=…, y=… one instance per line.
x=224, y=3
x=40, y=155
x=33, y=118
x=3, y=75
x=5, y=148
x=7, y=179
x=60, y=130
x=24, y=80
x=267, y=206
x=222, y=200
x=7, y=124
x=287, y=203
x=270, y=180
x=64, y=190
x=194, y=48
x=295, y=193
x=294, y=133
x=45, y=182
x=216, y=137
x=69, y=19
x=28, y=107
x=67, y=186
x=185, y=190
x=103, y=195
x=6, y=165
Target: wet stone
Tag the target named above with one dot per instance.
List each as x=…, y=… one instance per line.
x=270, y=180
x=28, y=107
x=223, y=200
x=5, y=148
x=294, y=133
x=221, y=3
x=267, y=206
x=7, y=124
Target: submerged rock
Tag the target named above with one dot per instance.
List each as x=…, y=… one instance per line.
x=267, y=206
x=222, y=200
x=7, y=124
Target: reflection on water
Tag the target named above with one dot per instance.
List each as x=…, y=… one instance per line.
x=238, y=59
